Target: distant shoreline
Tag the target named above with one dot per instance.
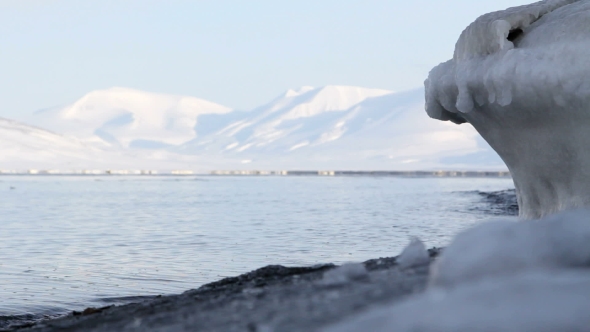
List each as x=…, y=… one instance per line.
x=181, y=173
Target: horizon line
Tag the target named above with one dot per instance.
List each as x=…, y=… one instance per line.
x=292, y=172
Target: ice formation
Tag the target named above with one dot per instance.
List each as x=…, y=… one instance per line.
x=500, y=276
x=414, y=255
x=520, y=77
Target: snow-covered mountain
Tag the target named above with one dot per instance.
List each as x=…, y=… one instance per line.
x=21, y=144
x=333, y=127
x=341, y=127
x=128, y=118
x=24, y=147
x=292, y=119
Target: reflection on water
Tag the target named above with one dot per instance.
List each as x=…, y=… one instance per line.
x=71, y=242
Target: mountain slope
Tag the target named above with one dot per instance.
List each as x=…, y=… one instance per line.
x=128, y=118
x=384, y=130
x=24, y=146
x=295, y=115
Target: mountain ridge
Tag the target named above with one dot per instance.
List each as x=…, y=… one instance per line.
x=327, y=127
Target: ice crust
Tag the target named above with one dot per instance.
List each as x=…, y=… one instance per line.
x=500, y=276
x=529, y=97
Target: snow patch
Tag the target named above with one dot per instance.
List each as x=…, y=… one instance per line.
x=300, y=145
x=231, y=146
x=332, y=99
x=244, y=147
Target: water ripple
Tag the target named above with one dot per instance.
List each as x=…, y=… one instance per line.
x=68, y=242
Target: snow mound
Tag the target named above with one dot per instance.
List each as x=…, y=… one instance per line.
x=533, y=301
x=506, y=247
x=520, y=77
x=500, y=276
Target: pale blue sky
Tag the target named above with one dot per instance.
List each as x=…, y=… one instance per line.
x=234, y=52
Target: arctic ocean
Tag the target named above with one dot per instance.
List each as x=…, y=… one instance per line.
x=71, y=242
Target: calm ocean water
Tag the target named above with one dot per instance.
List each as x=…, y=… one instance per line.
x=67, y=243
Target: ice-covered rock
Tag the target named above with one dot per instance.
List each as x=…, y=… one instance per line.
x=520, y=77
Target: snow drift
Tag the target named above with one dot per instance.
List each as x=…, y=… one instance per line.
x=520, y=77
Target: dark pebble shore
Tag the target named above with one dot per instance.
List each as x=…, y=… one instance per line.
x=273, y=298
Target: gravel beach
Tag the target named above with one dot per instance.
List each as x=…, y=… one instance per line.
x=273, y=298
